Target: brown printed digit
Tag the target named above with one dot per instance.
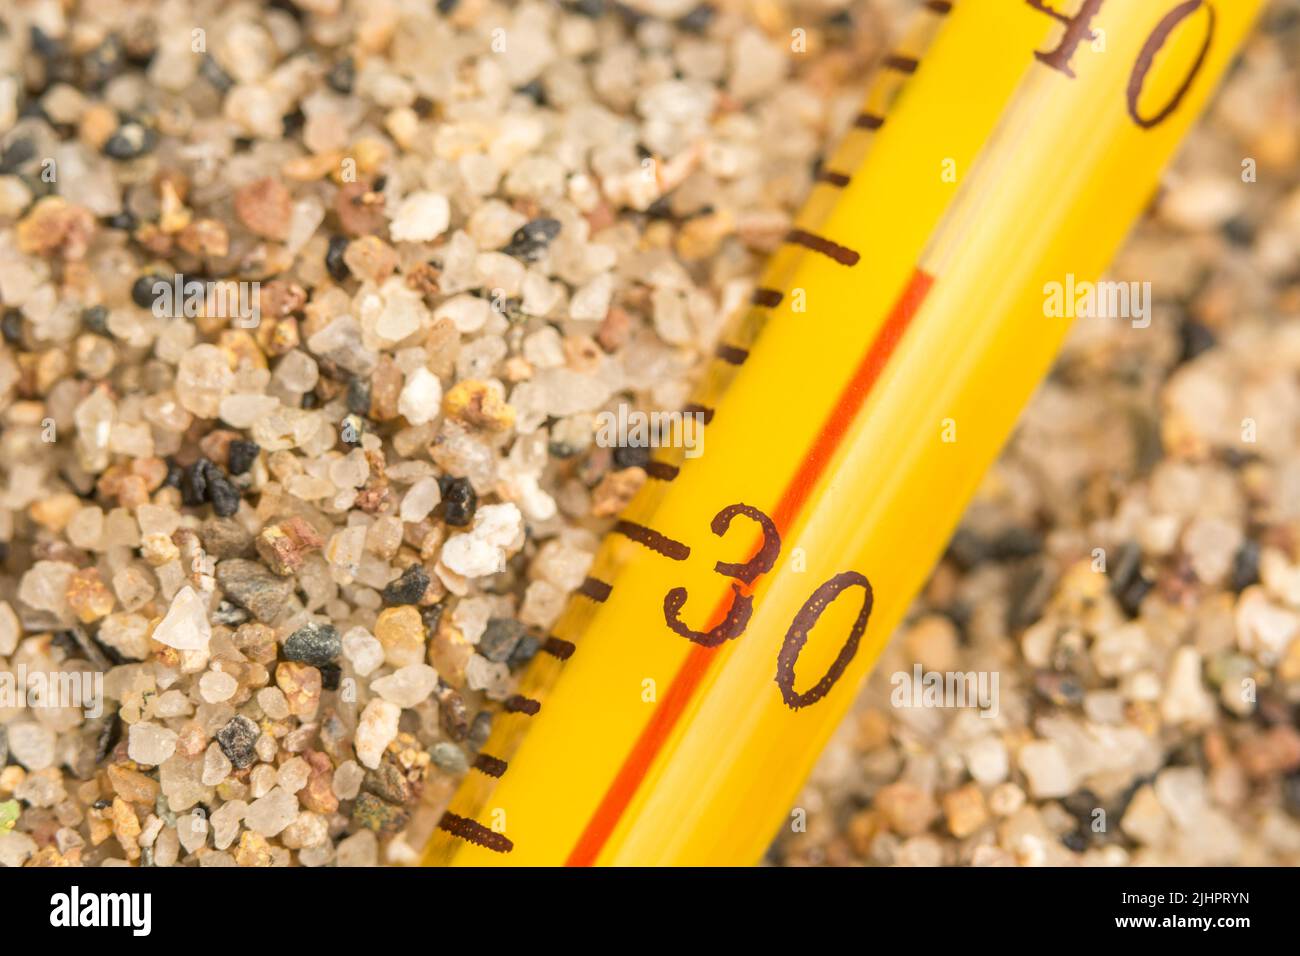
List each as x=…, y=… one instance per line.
x=738, y=613
x=1149, y=50
x=797, y=637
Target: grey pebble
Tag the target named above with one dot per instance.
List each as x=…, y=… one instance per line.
x=237, y=740
x=500, y=637
x=449, y=757
x=252, y=586
x=316, y=644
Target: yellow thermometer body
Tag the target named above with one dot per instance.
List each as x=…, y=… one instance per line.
x=689, y=687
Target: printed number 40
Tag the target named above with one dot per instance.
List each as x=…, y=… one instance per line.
x=1078, y=28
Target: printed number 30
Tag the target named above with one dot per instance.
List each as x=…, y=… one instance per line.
x=736, y=619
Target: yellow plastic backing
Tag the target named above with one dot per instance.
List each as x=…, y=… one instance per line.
x=992, y=172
